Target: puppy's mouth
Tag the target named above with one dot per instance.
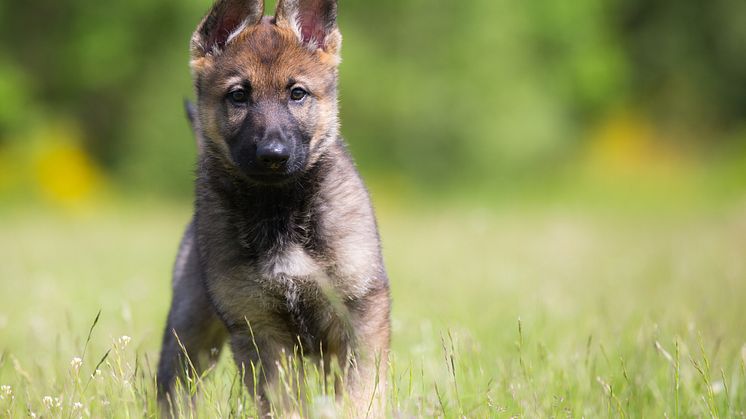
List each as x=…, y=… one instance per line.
x=271, y=178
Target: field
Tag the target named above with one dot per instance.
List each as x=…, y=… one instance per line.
x=499, y=311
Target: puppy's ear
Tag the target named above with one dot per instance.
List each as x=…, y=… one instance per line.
x=226, y=19
x=191, y=114
x=313, y=21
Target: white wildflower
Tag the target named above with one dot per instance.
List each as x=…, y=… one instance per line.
x=77, y=405
x=76, y=363
x=124, y=340
x=6, y=392
x=717, y=387
x=47, y=401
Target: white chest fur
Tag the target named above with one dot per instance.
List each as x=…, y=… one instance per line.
x=292, y=262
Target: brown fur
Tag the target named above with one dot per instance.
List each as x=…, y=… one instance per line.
x=287, y=266
x=269, y=55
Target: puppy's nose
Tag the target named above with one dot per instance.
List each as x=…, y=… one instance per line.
x=273, y=154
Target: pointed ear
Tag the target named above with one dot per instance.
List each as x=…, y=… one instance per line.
x=313, y=21
x=226, y=19
x=191, y=114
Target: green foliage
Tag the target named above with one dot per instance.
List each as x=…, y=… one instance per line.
x=482, y=91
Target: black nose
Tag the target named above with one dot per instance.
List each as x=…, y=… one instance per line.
x=273, y=154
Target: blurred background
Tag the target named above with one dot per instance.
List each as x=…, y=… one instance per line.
x=566, y=174
x=484, y=101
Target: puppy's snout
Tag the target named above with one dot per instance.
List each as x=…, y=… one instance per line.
x=273, y=154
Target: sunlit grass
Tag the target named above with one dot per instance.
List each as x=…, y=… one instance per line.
x=497, y=313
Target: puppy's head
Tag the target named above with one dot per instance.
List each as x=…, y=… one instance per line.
x=267, y=86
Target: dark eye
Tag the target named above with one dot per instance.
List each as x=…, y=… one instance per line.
x=238, y=96
x=297, y=94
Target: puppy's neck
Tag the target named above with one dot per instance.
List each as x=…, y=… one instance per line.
x=266, y=218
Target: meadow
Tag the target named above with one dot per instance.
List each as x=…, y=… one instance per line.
x=560, y=191
x=499, y=311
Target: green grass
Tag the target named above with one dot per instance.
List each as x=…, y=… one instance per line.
x=497, y=313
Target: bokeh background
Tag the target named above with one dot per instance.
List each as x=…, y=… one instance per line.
x=560, y=186
x=480, y=99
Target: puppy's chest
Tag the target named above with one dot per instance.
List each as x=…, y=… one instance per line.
x=300, y=286
x=265, y=253
x=291, y=262
x=292, y=276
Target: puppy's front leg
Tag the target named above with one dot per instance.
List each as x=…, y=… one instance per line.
x=258, y=357
x=192, y=325
x=367, y=379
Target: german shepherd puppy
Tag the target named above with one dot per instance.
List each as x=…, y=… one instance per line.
x=282, y=255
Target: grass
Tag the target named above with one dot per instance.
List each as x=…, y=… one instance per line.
x=529, y=312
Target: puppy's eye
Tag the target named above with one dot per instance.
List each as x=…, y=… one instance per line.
x=238, y=96
x=297, y=94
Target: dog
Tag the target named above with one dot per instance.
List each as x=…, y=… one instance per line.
x=282, y=255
